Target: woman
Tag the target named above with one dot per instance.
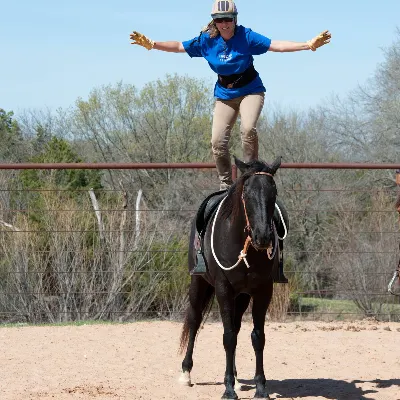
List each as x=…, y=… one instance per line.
x=229, y=49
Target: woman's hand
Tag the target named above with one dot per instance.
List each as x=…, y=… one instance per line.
x=320, y=40
x=141, y=40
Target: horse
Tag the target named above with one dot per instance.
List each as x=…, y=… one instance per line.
x=394, y=283
x=242, y=255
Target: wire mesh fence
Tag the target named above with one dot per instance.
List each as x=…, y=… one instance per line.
x=119, y=252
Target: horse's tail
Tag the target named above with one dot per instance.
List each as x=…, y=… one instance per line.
x=205, y=311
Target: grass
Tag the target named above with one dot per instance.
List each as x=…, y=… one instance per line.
x=70, y=323
x=306, y=308
x=79, y=323
x=314, y=308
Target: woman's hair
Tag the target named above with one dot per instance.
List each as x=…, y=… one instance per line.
x=211, y=29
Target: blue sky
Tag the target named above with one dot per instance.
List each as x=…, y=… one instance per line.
x=56, y=51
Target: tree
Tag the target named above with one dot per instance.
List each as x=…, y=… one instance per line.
x=59, y=151
x=12, y=145
x=365, y=126
x=33, y=181
x=167, y=121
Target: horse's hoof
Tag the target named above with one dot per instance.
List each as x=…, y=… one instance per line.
x=230, y=395
x=262, y=395
x=184, y=379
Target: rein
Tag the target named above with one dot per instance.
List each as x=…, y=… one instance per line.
x=248, y=241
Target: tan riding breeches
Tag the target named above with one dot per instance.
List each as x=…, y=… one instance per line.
x=225, y=115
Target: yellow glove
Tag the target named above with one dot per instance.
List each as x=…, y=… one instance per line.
x=142, y=40
x=320, y=40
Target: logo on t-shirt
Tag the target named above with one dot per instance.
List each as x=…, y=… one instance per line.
x=225, y=57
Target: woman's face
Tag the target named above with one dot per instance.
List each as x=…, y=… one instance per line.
x=226, y=26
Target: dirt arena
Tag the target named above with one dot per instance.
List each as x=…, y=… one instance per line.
x=303, y=360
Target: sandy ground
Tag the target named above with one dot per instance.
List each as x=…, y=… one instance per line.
x=303, y=360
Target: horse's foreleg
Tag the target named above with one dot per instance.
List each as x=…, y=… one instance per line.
x=227, y=308
x=241, y=303
x=260, y=306
x=200, y=295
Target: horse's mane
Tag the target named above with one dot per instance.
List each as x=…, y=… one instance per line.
x=232, y=203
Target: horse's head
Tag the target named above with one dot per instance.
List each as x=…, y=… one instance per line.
x=258, y=197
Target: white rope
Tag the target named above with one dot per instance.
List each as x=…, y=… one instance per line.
x=283, y=222
x=391, y=283
x=241, y=256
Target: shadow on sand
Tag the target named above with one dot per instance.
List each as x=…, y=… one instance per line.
x=322, y=388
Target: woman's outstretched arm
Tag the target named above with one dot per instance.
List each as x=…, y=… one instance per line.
x=285, y=46
x=142, y=40
x=171, y=46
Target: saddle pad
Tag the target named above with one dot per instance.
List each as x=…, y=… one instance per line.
x=207, y=208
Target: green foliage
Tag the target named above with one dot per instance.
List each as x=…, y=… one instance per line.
x=6, y=121
x=59, y=151
x=43, y=136
x=43, y=188
x=164, y=278
x=10, y=137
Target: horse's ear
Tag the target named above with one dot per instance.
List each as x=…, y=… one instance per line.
x=243, y=167
x=275, y=165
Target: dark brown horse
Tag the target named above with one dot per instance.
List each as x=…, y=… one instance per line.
x=242, y=254
x=394, y=284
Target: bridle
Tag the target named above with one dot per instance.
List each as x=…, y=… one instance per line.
x=248, y=226
x=248, y=241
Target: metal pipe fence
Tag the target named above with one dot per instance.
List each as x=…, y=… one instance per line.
x=62, y=257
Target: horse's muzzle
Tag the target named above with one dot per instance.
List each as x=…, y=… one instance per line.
x=260, y=246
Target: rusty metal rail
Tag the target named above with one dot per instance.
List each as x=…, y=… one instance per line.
x=189, y=165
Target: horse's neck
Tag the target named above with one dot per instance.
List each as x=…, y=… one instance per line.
x=235, y=225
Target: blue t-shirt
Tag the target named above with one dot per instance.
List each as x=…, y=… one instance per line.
x=230, y=57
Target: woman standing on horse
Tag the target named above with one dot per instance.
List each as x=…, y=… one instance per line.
x=229, y=49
